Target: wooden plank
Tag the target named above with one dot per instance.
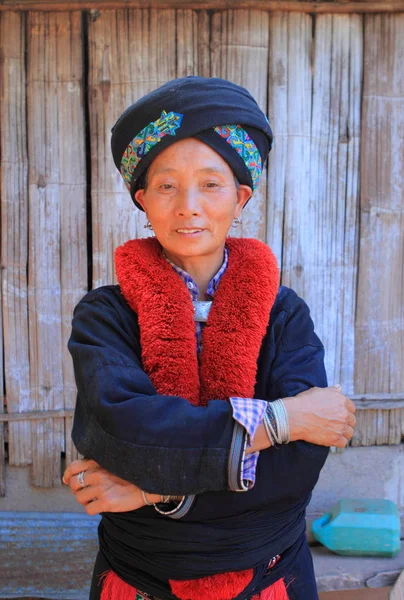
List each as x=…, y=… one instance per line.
x=72, y=197
x=14, y=239
x=278, y=118
x=114, y=84
x=317, y=6
x=187, y=42
x=378, y=401
x=37, y=415
x=57, y=225
x=239, y=46
x=318, y=146
x=333, y=230
x=193, y=43
x=289, y=112
x=380, y=319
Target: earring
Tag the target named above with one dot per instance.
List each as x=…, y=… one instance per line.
x=236, y=222
x=148, y=225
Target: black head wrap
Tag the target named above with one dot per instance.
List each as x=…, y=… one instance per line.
x=220, y=113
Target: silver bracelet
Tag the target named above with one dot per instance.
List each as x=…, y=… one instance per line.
x=165, y=499
x=171, y=512
x=145, y=500
x=276, y=423
x=282, y=421
x=268, y=428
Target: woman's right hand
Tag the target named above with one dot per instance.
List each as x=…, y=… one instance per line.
x=322, y=416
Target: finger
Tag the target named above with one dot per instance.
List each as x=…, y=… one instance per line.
x=351, y=420
x=350, y=405
x=66, y=476
x=75, y=467
x=348, y=432
x=95, y=507
x=87, y=494
x=341, y=442
x=88, y=479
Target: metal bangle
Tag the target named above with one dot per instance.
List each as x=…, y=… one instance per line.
x=277, y=423
x=145, y=500
x=282, y=420
x=269, y=429
x=170, y=512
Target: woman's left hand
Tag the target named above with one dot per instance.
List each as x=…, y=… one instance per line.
x=103, y=491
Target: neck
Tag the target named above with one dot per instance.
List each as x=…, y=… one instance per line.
x=201, y=268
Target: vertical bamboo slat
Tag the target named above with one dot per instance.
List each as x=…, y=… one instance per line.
x=314, y=168
x=72, y=194
x=192, y=43
x=380, y=311
x=289, y=229
x=14, y=236
x=187, y=43
x=278, y=118
x=57, y=270
x=331, y=251
x=239, y=47
x=122, y=68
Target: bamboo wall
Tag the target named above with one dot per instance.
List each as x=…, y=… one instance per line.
x=330, y=203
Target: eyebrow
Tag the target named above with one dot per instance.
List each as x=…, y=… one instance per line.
x=204, y=169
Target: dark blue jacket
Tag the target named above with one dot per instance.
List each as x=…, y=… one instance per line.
x=165, y=445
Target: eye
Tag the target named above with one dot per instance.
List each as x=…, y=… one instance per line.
x=166, y=186
x=212, y=184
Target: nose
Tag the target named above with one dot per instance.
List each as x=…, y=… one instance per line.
x=188, y=202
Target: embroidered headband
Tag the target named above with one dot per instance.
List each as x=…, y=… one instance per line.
x=221, y=114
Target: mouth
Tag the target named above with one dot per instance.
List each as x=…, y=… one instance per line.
x=189, y=231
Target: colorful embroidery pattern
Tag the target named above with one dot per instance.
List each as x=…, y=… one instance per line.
x=239, y=139
x=143, y=142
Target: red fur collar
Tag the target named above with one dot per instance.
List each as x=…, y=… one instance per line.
x=232, y=336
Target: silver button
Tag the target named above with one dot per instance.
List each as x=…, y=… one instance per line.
x=190, y=285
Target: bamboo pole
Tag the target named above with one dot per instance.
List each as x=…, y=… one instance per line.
x=290, y=108
x=14, y=237
x=57, y=224
x=315, y=7
x=379, y=321
x=363, y=402
x=313, y=171
x=239, y=46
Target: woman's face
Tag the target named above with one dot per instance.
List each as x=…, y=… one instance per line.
x=191, y=199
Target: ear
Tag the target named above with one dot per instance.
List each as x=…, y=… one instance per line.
x=139, y=196
x=244, y=193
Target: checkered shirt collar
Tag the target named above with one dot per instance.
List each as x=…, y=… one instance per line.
x=191, y=284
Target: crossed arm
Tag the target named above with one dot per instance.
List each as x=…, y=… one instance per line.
x=112, y=402
x=323, y=416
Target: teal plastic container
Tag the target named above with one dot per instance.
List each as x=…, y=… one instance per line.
x=366, y=527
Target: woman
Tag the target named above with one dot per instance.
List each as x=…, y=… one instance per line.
x=198, y=318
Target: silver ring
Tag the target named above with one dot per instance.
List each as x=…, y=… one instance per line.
x=80, y=479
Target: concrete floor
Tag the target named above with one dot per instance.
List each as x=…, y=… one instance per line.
x=364, y=594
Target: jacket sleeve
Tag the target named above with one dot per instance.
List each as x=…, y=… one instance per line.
x=297, y=361
x=163, y=444
x=291, y=361
x=297, y=364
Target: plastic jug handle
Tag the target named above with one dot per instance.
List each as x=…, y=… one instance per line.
x=318, y=525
